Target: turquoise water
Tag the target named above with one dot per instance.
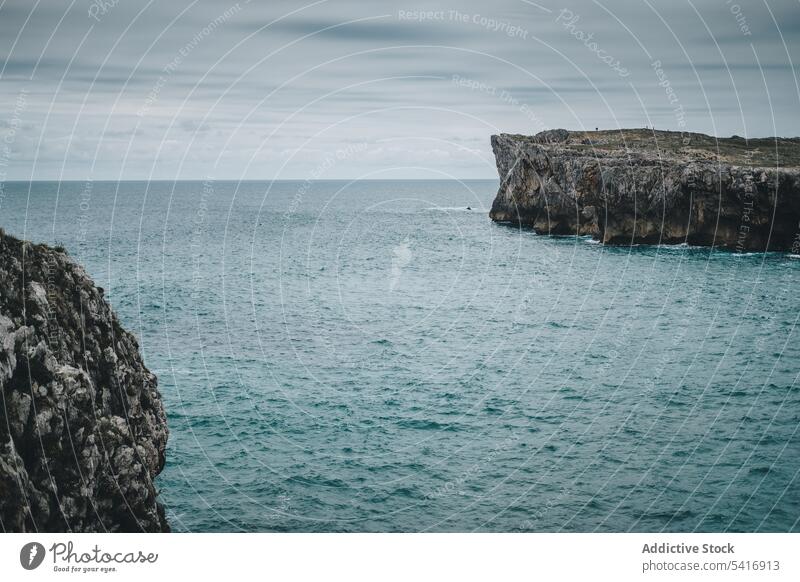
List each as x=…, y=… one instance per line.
x=372, y=356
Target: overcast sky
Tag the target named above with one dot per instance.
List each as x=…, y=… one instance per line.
x=128, y=89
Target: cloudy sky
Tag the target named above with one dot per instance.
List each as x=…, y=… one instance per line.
x=130, y=89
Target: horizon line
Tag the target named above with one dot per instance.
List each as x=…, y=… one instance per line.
x=41, y=180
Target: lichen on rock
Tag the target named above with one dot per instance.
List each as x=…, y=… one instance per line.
x=82, y=427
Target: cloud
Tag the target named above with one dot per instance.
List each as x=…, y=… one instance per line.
x=178, y=89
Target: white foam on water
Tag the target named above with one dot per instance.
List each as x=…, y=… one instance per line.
x=456, y=209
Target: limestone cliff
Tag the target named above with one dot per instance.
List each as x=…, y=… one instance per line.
x=655, y=187
x=82, y=427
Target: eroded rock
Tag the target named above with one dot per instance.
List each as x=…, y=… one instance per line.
x=82, y=427
x=640, y=186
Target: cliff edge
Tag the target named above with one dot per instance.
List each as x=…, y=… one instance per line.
x=82, y=427
x=639, y=186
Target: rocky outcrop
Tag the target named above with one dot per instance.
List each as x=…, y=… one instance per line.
x=82, y=427
x=654, y=187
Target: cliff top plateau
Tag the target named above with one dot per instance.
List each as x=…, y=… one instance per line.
x=765, y=152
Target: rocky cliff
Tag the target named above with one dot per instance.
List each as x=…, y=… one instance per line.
x=82, y=426
x=655, y=187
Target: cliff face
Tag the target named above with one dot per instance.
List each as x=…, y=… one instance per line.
x=82, y=426
x=639, y=186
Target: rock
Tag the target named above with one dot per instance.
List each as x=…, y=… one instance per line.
x=643, y=186
x=552, y=136
x=83, y=431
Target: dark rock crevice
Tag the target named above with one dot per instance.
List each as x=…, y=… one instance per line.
x=82, y=427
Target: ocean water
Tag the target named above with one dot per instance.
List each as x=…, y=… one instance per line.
x=372, y=356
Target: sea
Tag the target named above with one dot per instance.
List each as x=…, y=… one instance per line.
x=379, y=356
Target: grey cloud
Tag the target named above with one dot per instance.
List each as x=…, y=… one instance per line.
x=385, y=30
x=197, y=74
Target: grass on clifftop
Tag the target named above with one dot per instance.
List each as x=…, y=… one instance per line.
x=762, y=152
